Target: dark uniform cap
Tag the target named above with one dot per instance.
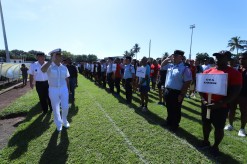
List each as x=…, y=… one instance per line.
x=40, y=54
x=178, y=52
x=228, y=54
x=128, y=57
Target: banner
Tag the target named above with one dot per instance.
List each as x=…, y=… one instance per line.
x=212, y=83
x=141, y=72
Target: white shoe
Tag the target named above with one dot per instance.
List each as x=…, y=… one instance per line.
x=66, y=125
x=228, y=127
x=59, y=128
x=241, y=133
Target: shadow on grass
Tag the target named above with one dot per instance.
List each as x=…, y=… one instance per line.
x=194, y=141
x=191, y=110
x=193, y=103
x=73, y=110
x=56, y=153
x=21, y=139
x=153, y=118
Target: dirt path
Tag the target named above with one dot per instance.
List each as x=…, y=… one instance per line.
x=8, y=126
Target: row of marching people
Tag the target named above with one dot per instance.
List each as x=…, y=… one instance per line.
x=174, y=83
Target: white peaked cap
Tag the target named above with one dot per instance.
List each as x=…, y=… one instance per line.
x=58, y=50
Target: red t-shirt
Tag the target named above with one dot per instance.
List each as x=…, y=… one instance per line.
x=118, y=71
x=234, y=78
x=154, y=70
x=193, y=72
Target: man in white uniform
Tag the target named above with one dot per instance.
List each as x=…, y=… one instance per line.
x=41, y=81
x=58, y=88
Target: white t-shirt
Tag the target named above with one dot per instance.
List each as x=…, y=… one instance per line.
x=35, y=70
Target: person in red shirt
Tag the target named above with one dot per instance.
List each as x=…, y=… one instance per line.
x=241, y=99
x=154, y=73
x=219, y=109
x=193, y=82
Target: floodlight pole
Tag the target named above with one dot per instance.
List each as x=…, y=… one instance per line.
x=149, y=47
x=4, y=35
x=191, y=27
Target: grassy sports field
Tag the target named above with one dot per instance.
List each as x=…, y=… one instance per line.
x=106, y=130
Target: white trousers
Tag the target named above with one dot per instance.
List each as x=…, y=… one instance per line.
x=59, y=96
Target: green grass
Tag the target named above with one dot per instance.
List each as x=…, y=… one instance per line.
x=105, y=130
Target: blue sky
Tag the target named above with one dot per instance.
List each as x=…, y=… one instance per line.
x=110, y=27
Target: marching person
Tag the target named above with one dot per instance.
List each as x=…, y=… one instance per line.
x=72, y=78
x=41, y=81
x=144, y=85
x=219, y=108
x=241, y=99
x=178, y=80
x=129, y=74
x=58, y=88
x=110, y=75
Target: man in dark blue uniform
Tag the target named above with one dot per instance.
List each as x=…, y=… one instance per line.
x=178, y=80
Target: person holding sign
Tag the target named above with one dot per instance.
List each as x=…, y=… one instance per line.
x=144, y=85
x=178, y=79
x=218, y=106
x=58, y=88
x=129, y=75
x=241, y=99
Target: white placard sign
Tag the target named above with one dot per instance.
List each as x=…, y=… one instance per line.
x=141, y=72
x=114, y=67
x=212, y=83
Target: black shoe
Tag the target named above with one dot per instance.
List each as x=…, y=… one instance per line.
x=214, y=151
x=204, y=145
x=160, y=103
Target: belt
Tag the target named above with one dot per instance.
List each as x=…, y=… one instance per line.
x=173, y=90
x=41, y=81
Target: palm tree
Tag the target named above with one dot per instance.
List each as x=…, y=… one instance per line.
x=126, y=53
x=136, y=49
x=165, y=55
x=236, y=43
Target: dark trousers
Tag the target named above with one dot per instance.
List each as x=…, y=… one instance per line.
x=128, y=90
x=42, y=89
x=173, y=107
x=110, y=82
x=117, y=84
x=103, y=79
x=72, y=84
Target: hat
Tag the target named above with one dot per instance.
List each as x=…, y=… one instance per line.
x=58, y=50
x=110, y=58
x=128, y=57
x=178, y=52
x=40, y=54
x=228, y=54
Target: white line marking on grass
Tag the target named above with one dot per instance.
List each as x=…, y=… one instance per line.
x=129, y=143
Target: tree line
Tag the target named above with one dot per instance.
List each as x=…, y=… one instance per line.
x=31, y=55
x=235, y=43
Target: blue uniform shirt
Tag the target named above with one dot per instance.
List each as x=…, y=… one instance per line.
x=177, y=75
x=129, y=70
